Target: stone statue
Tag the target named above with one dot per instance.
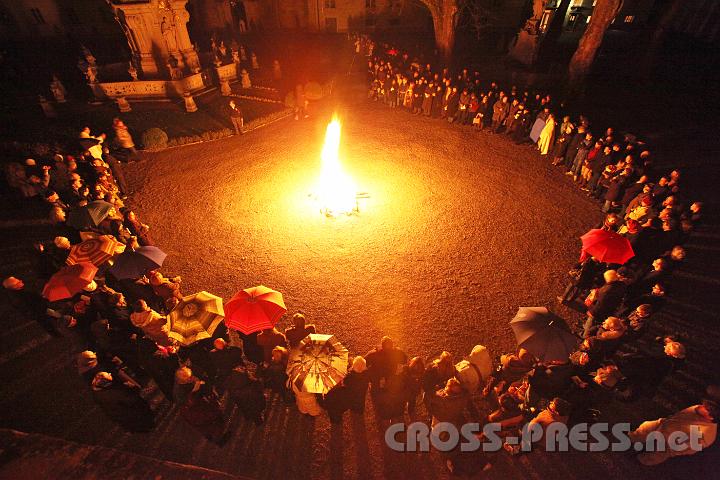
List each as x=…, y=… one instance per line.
x=89, y=57
x=91, y=74
x=277, y=71
x=235, y=56
x=58, y=89
x=173, y=69
x=168, y=32
x=132, y=71
x=254, y=61
x=243, y=54
x=213, y=45
x=223, y=50
x=245, y=79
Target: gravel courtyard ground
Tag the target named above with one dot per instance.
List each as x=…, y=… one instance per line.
x=460, y=228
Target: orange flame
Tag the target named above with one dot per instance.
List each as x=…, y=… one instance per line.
x=336, y=190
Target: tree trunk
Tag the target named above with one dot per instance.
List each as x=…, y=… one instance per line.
x=658, y=37
x=581, y=62
x=444, y=15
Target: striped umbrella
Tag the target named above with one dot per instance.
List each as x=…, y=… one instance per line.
x=319, y=363
x=254, y=309
x=69, y=281
x=95, y=250
x=195, y=317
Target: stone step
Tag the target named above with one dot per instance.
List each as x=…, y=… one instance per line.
x=31, y=455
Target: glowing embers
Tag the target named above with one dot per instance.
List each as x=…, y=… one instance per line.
x=335, y=192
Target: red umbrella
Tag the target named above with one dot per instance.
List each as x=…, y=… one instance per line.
x=254, y=309
x=69, y=280
x=606, y=246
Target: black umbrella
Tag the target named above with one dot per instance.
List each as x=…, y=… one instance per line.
x=89, y=216
x=540, y=333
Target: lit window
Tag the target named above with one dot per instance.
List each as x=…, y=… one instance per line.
x=629, y=18
x=577, y=3
x=37, y=16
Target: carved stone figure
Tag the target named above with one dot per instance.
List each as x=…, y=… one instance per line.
x=58, y=89
x=254, y=61
x=245, y=79
x=277, y=71
x=132, y=71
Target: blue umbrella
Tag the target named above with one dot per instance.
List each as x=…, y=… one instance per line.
x=90, y=215
x=136, y=263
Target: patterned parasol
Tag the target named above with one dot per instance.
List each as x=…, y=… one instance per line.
x=95, y=250
x=195, y=317
x=319, y=363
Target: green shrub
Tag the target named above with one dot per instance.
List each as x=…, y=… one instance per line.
x=313, y=91
x=290, y=100
x=154, y=139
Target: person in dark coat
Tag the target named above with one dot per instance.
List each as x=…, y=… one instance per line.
x=632, y=191
x=383, y=362
x=615, y=191
x=561, y=145
x=160, y=363
x=273, y=374
x=268, y=339
x=198, y=406
x=28, y=303
x=573, y=147
x=608, y=299
x=645, y=371
x=449, y=403
x=437, y=374
x=252, y=350
x=501, y=109
x=247, y=393
x=122, y=403
x=138, y=229
x=584, y=277
x=298, y=331
x=453, y=104
x=224, y=358
x=350, y=393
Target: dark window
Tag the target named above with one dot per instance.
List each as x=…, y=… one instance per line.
x=370, y=4
x=37, y=16
x=329, y=3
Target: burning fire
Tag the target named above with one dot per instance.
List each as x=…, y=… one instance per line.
x=336, y=190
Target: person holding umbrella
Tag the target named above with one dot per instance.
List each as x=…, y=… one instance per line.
x=153, y=325
x=604, y=301
x=350, y=393
x=299, y=330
